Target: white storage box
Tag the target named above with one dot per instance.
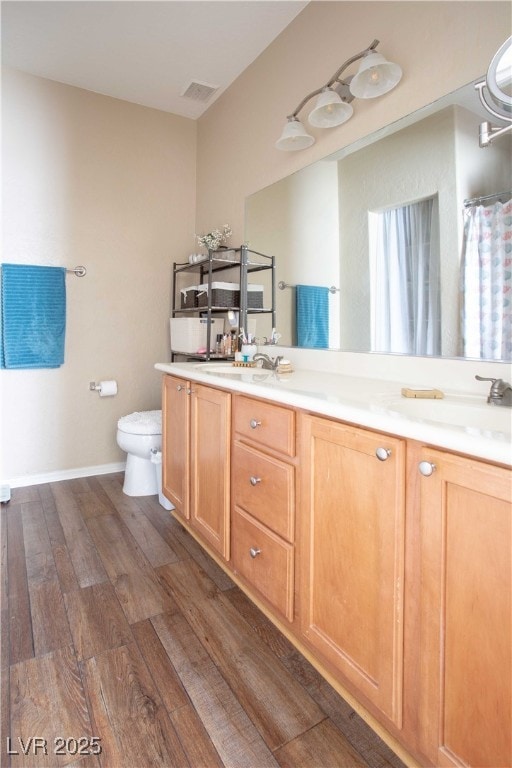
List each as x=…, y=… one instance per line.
x=188, y=334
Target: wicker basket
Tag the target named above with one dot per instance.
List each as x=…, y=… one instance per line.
x=222, y=295
x=189, y=297
x=254, y=296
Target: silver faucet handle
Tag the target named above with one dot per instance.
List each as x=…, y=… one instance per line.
x=492, y=391
x=498, y=387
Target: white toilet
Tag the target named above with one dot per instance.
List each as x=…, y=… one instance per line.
x=138, y=434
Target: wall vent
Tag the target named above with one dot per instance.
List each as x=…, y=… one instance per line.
x=199, y=91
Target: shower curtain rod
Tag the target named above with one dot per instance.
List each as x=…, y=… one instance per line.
x=486, y=198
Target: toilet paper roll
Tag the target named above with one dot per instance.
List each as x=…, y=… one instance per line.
x=107, y=388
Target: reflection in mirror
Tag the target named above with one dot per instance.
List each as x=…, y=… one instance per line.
x=319, y=224
x=499, y=76
x=495, y=94
x=405, y=284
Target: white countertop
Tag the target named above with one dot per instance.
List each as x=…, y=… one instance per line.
x=460, y=422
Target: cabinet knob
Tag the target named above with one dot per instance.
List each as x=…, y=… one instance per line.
x=179, y=387
x=382, y=453
x=426, y=468
x=255, y=480
x=254, y=423
x=254, y=552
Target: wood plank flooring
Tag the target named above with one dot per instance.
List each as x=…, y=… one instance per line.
x=124, y=644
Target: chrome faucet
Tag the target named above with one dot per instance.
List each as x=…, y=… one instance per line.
x=500, y=393
x=268, y=363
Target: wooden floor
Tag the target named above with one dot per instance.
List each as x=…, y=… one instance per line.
x=121, y=638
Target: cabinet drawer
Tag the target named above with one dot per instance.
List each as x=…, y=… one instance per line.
x=269, y=568
x=264, y=487
x=268, y=425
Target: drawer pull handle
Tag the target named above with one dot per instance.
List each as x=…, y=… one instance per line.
x=255, y=480
x=254, y=552
x=383, y=453
x=426, y=468
x=254, y=423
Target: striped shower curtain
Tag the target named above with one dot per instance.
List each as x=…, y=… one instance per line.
x=486, y=282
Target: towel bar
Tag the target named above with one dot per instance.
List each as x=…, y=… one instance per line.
x=78, y=271
x=282, y=285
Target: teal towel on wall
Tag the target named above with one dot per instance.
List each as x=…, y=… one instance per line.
x=312, y=307
x=33, y=317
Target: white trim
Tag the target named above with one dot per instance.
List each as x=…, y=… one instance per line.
x=66, y=474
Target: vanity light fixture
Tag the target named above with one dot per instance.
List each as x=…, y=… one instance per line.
x=375, y=77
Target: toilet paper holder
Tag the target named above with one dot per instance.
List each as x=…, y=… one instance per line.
x=104, y=388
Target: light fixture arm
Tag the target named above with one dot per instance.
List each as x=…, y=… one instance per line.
x=333, y=79
x=304, y=101
x=350, y=61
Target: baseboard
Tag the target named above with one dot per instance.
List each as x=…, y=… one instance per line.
x=66, y=474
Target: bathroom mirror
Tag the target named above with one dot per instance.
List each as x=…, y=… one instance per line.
x=318, y=221
x=499, y=77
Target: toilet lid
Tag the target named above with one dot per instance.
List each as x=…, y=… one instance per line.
x=141, y=423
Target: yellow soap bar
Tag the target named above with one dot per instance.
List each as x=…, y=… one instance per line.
x=427, y=394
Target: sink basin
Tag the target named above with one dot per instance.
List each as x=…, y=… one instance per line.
x=471, y=413
x=226, y=368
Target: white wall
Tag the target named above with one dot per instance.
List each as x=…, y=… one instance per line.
x=95, y=181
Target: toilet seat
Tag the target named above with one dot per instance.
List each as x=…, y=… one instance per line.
x=141, y=423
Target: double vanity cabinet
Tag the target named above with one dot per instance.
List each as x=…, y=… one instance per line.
x=386, y=561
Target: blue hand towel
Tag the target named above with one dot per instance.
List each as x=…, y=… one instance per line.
x=33, y=317
x=312, y=316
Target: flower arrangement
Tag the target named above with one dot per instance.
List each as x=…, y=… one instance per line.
x=215, y=238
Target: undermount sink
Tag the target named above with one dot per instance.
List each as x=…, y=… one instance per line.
x=470, y=413
x=226, y=368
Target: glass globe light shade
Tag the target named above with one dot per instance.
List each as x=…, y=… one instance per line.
x=375, y=77
x=294, y=136
x=330, y=110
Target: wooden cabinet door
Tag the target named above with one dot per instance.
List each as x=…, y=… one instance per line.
x=210, y=427
x=352, y=556
x=175, y=442
x=466, y=618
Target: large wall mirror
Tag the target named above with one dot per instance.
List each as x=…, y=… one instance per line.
x=352, y=221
